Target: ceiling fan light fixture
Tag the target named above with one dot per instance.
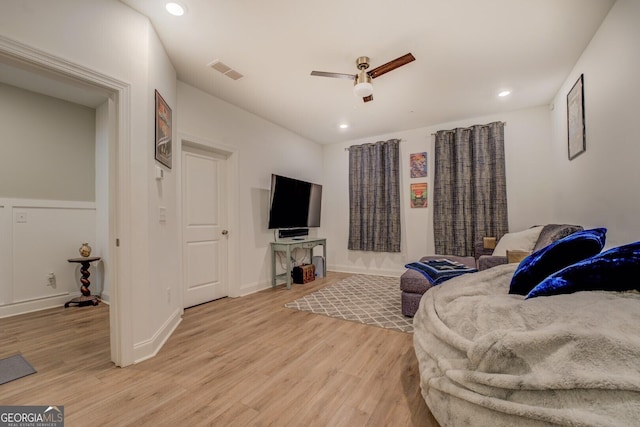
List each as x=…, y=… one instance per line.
x=362, y=86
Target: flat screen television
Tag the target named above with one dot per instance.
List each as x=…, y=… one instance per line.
x=294, y=203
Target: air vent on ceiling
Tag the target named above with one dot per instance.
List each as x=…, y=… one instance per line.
x=225, y=69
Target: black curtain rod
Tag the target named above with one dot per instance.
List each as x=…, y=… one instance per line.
x=453, y=130
x=347, y=148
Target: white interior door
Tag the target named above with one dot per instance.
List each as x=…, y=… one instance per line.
x=204, y=248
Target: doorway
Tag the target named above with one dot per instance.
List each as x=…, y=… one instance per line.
x=228, y=156
x=204, y=225
x=43, y=73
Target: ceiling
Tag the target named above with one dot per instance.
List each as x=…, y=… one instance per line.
x=466, y=52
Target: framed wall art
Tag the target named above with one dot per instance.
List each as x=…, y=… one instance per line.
x=163, y=131
x=577, y=141
x=418, y=165
x=419, y=195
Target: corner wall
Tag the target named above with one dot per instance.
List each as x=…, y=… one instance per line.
x=527, y=151
x=262, y=148
x=47, y=194
x=47, y=147
x=599, y=188
x=120, y=44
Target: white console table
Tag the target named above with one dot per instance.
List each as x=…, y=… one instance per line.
x=287, y=246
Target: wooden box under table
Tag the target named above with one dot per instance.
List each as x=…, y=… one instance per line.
x=304, y=273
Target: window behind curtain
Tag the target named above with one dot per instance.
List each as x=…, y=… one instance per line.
x=470, y=187
x=374, y=197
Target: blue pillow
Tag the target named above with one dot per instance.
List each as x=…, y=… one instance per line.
x=617, y=269
x=556, y=256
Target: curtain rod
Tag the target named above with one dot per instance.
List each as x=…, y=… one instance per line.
x=451, y=130
x=347, y=148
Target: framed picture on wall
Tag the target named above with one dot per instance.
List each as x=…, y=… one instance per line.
x=163, y=131
x=577, y=141
x=418, y=165
x=419, y=195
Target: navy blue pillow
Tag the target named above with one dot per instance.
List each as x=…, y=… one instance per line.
x=556, y=256
x=617, y=269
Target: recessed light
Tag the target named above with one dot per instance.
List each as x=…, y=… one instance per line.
x=504, y=93
x=344, y=126
x=176, y=9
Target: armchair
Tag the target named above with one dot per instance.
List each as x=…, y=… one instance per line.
x=413, y=284
x=484, y=249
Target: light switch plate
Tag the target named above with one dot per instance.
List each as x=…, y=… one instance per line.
x=163, y=214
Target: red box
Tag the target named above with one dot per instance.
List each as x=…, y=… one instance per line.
x=304, y=273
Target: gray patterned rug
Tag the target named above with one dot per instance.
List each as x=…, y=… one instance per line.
x=373, y=300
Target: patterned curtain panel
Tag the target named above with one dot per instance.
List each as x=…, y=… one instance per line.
x=470, y=187
x=374, y=197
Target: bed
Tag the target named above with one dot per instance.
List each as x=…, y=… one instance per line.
x=490, y=358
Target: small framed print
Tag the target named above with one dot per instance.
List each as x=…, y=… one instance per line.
x=577, y=142
x=419, y=195
x=163, y=131
x=418, y=165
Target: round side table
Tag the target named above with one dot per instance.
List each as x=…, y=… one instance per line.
x=86, y=298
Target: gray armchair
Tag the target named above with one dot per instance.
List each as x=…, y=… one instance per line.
x=549, y=234
x=413, y=284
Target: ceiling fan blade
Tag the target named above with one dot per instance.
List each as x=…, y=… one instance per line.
x=391, y=65
x=335, y=75
x=368, y=98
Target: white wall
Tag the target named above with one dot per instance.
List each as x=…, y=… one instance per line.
x=162, y=265
x=38, y=238
x=600, y=186
x=527, y=150
x=108, y=37
x=47, y=147
x=263, y=148
x=47, y=175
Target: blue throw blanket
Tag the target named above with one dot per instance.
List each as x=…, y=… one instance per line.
x=439, y=270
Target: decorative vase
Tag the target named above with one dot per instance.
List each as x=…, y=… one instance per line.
x=85, y=250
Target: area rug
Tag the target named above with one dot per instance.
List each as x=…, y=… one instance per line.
x=14, y=367
x=373, y=300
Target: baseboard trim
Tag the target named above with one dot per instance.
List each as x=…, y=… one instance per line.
x=149, y=348
x=24, y=307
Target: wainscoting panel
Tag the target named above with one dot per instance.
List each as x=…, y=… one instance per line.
x=42, y=235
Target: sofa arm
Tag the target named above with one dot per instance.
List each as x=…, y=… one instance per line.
x=488, y=261
x=479, y=249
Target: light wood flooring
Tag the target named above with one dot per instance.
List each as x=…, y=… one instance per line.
x=232, y=362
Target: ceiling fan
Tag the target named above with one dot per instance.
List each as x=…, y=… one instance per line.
x=362, y=86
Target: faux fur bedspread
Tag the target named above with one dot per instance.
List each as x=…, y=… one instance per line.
x=488, y=358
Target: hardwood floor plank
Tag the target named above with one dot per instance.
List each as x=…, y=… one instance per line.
x=245, y=361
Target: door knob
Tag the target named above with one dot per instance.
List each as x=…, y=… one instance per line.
x=225, y=232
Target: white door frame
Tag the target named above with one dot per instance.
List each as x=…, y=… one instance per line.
x=233, y=266
x=119, y=109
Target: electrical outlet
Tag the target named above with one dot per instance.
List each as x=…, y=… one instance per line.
x=51, y=280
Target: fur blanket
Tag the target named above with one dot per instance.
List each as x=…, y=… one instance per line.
x=488, y=358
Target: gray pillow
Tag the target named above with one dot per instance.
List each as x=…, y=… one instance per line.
x=552, y=232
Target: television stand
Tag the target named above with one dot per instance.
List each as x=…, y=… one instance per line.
x=287, y=246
